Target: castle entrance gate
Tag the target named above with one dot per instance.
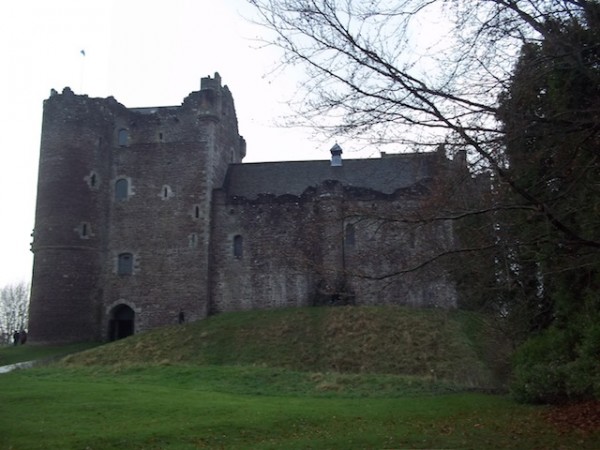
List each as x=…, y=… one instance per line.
x=121, y=324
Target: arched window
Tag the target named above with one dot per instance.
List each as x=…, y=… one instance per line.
x=238, y=246
x=125, y=264
x=349, y=235
x=121, y=189
x=123, y=137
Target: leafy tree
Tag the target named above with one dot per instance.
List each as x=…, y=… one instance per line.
x=552, y=125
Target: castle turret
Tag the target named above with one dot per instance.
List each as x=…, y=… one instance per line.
x=336, y=155
x=69, y=226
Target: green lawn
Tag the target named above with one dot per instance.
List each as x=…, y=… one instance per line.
x=332, y=378
x=13, y=354
x=189, y=407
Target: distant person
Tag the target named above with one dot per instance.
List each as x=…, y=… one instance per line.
x=16, y=338
x=181, y=317
x=23, y=336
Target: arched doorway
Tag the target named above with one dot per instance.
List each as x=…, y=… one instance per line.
x=121, y=324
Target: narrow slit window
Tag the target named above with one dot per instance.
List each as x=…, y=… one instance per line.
x=238, y=246
x=85, y=230
x=92, y=180
x=196, y=212
x=125, y=264
x=166, y=192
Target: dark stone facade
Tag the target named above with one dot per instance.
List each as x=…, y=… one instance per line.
x=146, y=217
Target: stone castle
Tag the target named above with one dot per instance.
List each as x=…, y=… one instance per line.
x=147, y=217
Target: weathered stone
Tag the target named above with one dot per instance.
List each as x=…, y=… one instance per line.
x=145, y=214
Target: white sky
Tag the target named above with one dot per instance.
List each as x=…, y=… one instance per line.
x=142, y=52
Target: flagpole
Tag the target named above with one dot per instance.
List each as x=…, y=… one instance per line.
x=81, y=71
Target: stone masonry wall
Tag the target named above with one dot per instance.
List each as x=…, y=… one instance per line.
x=270, y=271
x=297, y=252
x=174, y=158
x=70, y=232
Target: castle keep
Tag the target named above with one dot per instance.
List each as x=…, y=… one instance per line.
x=147, y=217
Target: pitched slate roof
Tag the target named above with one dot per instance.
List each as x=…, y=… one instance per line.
x=384, y=175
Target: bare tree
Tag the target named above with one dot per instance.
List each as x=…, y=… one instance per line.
x=517, y=84
x=376, y=71
x=14, y=304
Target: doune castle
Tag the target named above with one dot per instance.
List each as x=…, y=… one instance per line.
x=148, y=217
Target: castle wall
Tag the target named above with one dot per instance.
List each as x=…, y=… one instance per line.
x=269, y=268
x=173, y=160
x=393, y=256
x=158, y=225
x=297, y=251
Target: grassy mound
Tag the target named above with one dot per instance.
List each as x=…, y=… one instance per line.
x=456, y=347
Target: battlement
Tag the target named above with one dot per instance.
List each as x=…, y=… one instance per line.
x=212, y=101
x=115, y=124
x=211, y=83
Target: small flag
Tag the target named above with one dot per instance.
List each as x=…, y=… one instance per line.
x=83, y=52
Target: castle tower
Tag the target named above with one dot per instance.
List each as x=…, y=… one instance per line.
x=69, y=235
x=122, y=228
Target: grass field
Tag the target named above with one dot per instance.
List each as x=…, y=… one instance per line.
x=187, y=407
x=218, y=384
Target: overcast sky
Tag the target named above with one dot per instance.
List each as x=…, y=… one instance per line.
x=144, y=53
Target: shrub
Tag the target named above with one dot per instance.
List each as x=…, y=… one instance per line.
x=558, y=365
x=539, y=368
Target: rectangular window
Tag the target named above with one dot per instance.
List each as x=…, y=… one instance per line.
x=238, y=246
x=125, y=264
x=121, y=189
x=123, y=137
